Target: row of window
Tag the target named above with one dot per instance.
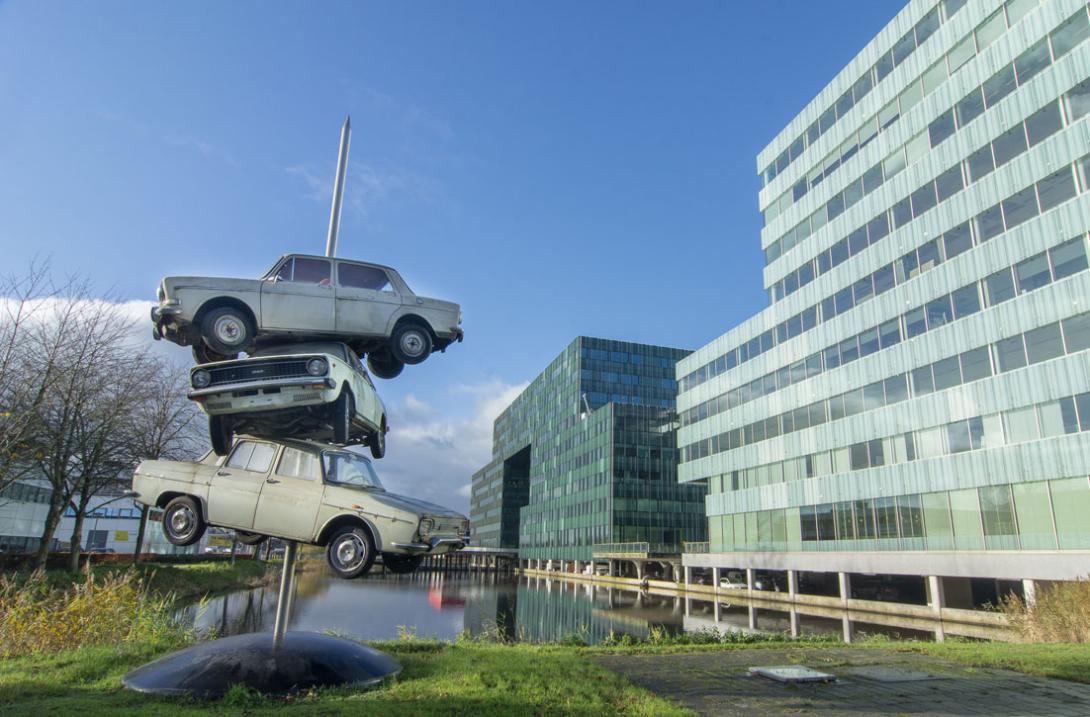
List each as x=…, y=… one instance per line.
x=1028, y=423
x=1027, y=516
x=1037, y=127
x=983, y=97
x=972, y=44
x=1040, y=344
x=900, y=51
x=25, y=493
x=1020, y=207
x=1059, y=262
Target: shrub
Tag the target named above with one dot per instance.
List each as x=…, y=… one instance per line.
x=1061, y=613
x=36, y=618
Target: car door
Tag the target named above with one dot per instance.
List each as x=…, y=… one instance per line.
x=236, y=485
x=366, y=300
x=290, y=497
x=363, y=391
x=299, y=297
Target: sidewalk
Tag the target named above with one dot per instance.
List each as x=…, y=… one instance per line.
x=870, y=682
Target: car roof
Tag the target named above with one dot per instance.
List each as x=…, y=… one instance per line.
x=299, y=443
x=337, y=258
x=334, y=348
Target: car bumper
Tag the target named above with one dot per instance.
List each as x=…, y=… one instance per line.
x=433, y=545
x=265, y=395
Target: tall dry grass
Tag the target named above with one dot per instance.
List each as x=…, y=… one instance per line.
x=1061, y=613
x=36, y=618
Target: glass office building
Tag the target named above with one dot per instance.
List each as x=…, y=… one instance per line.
x=914, y=400
x=587, y=456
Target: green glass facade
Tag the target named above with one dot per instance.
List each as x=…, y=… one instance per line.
x=587, y=455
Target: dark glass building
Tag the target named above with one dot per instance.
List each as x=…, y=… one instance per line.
x=587, y=456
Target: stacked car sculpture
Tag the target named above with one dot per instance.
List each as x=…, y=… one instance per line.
x=283, y=421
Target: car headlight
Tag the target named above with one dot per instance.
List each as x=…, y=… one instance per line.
x=201, y=378
x=426, y=526
x=317, y=367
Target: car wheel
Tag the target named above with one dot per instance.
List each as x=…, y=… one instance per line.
x=182, y=521
x=250, y=538
x=410, y=343
x=401, y=564
x=343, y=410
x=384, y=365
x=350, y=552
x=378, y=441
x=226, y=330
x=202, y=354
x=220, y=434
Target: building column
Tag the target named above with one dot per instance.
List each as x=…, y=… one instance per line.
x=752, y=617
x=639, y=569
x=792, y=583
x=688, y=575
x=845, y=582
x=715, y=579
x=1029, y=592
x=749, y=579
x=848, y=630
x=793, y=614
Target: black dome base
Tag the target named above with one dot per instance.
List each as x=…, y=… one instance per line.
x=302, y=660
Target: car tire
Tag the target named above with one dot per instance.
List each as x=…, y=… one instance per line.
x=384, y=365
x=343, y=410
x=350, y=552
x=401, y=564
x=410, y=343
x=202, y=355
x=182, y=521
x=220, y=435
x=378, y=441
x=250, y=538
x=227, y=330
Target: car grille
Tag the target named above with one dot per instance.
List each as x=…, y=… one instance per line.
x=446, y=526
x=254, y=371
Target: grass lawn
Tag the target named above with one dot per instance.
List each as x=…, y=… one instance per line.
x=438, y=679
x=1066, y=661
x=186, y=580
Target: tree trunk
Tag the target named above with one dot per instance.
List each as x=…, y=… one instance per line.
x=140, y=535
x=77, y=534
x=52, y=520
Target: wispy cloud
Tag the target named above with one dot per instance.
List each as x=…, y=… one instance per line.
x=367, y=187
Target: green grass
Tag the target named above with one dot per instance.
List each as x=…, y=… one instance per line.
x=438, y=679
x=1066, y=661
x=185, y=580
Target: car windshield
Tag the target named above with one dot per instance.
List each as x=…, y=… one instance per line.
x=350, y=469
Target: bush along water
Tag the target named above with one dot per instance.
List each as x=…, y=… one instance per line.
x=36, y=618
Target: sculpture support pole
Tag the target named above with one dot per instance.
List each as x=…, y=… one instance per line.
x=287, y=590
x=338, y=189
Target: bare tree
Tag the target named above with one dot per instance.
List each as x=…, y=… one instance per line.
x=87, y=337
x=23, y=381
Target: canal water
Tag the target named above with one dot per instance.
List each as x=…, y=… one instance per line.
x=530, y=609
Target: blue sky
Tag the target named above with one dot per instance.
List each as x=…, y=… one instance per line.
x=558, y=168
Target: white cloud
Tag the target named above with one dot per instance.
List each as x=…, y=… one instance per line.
x=432, y=455
x=367, y=186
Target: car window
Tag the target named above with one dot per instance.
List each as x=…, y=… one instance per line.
x=262, y=457
x=299, y=464
x=355, y=276
x=310, y=271
x=241, y=455
x=284, y=272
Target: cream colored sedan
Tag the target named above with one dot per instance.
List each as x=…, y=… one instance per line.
x=303, y=491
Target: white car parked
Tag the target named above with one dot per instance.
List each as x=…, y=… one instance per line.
x=308, y=390
x=303, y=297
x=303, y=491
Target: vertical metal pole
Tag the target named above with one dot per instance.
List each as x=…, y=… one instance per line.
x=287, y=589
x=338, y=189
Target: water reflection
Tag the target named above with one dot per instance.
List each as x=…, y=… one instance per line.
x=529, y=609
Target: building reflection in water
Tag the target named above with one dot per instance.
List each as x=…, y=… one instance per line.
x=534, y=609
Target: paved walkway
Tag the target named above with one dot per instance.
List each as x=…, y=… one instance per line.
x=869, y=682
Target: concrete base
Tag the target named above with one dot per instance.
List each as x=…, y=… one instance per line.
x=301, y=661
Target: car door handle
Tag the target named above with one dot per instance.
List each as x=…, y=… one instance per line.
x=271, y=480
x=223, y=473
